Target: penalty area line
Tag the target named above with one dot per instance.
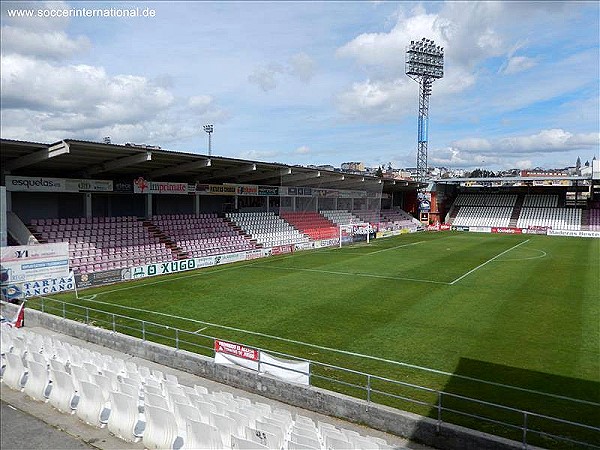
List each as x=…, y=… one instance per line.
x=352, y=274
x=488, y=261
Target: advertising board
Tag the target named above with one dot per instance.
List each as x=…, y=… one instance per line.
x=34, y=262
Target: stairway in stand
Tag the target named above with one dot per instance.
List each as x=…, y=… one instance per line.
x=176, y=251
x=516, y=212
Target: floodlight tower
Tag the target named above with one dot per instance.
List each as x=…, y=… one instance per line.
x=209, y=129
x=424, y=64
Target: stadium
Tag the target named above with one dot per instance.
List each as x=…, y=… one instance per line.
x=471, y=325
x=301, y=286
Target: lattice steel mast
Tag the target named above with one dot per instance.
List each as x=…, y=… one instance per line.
x=424, y=64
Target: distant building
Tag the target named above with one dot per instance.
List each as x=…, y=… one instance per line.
x=326, y=167
x=353, y=166
x=545, y=173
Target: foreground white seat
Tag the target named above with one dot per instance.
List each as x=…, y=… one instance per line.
x=161, y=428
x=123, y=417
x=202, y=435
x=183, y=412
x=225, y=425
x=37, y=381
x=312, y=442
x=63, y=391
x=14, y=372
x=91, y=405
x=293, y=445
x=243, y=444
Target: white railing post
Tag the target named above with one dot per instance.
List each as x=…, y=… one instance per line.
x=524, y=429
x=439, y=411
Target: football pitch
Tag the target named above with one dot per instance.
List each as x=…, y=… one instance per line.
x=509, y=319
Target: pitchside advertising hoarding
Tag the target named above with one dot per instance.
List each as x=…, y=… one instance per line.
x=183, y=265
x=38, y=287
x=22, y=263
x=46, y=184
x=143, y=186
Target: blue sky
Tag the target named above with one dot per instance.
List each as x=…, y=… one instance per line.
x=310, y=82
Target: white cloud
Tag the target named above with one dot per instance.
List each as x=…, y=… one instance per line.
x=79, y=94
x=257, y=155
x=205, y=108
x=545, y=141
x=42, y=44
x=479, y=152
x=517, y=64
x=302, y=67
x=523, y=164
x=303, y=150
x=377, y=100
x=454, y=157
x=265, y=77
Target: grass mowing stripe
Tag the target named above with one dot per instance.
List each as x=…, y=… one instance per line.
x=488, y=261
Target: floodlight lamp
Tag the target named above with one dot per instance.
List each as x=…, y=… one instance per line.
x=208, y=128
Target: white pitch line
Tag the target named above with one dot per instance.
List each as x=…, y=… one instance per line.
x=488, y=261
x=366, y=275
x=346, y=352
x=543, y=255
x=393, y=248
x=201, y=329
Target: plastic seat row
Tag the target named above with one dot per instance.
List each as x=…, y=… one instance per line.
x=135, y=403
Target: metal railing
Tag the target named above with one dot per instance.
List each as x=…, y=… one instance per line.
x=444, y=407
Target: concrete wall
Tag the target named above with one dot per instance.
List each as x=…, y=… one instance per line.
x=400, y=423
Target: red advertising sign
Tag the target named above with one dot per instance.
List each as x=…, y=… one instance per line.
x=236, y=350
x=282, y=249
x=507, y=230
x=445, y=227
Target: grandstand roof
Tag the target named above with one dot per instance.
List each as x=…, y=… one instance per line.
x=85, y=159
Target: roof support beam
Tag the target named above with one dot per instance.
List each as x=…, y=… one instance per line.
x=301, y=176
x=60, y=148
x=265, y=175
x=120, y=163
x=180, y=168
x=231, y=173
x=320, y=181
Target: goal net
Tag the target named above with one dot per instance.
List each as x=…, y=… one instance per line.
x=351, y=233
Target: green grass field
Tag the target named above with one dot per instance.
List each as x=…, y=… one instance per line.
x=517, y=310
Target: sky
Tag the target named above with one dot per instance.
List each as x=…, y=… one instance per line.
x=308, y=82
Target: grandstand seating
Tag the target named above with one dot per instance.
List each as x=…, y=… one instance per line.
x=103, y=243
x=496, y=210
x=386, y=219
x=341, y=217
x=311, y=223
x=190, y=417
x=204, y=235
x=266, y=228
x=485, y=200
x=483, y=216
x=557, y=218
x=540, y=201
x=594, y=218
